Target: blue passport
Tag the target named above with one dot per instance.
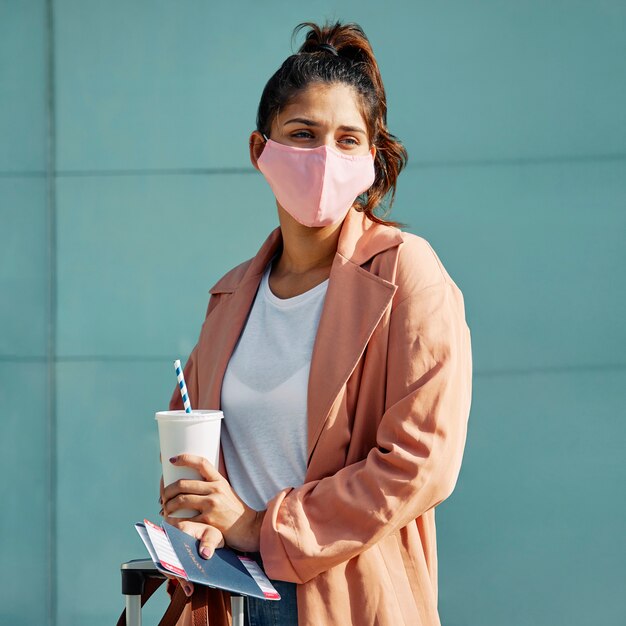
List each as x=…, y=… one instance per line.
x=175, y=552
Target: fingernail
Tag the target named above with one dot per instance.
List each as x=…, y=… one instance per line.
x=207, y=553
x=187, y=590
x=173, y=459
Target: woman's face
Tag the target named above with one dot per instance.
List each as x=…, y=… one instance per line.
x=319, y=115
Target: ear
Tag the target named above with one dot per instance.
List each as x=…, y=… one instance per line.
x=373, y=151
x=257, y=144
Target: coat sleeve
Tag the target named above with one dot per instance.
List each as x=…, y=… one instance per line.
x=416, y=461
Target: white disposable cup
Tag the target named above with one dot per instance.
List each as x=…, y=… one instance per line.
x=196, y=433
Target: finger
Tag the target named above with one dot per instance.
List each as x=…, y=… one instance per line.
x=179, y=522
x=191, y=528
x=186, y=585
x=195, y=529
x=173, y=501
x=206, y=469
x=186, y=501
x=198, y=487
x=173, y=521
x=212, y=539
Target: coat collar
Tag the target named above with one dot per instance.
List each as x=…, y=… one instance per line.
x=355, y=302
x=360, y=240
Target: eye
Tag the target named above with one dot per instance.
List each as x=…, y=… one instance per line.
x=302, y=134
x=349, y=141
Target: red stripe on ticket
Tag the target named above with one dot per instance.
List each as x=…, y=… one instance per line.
x=174, y=569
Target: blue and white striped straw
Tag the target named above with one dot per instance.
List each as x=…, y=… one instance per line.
x=182, y=385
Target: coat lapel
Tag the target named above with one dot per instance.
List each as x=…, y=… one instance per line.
x=225, y=323
x=355, y=302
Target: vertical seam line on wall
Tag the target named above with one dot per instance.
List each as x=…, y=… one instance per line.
x=51, y=234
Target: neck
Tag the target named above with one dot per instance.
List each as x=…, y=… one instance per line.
x=304, y=248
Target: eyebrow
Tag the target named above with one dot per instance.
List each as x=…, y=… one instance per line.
x=307, y=122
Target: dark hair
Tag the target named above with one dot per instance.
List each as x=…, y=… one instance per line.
x=341, y=53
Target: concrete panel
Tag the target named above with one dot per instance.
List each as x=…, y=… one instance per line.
x=23, y=267
x=23, y=48
x=162, y=85
x=538, y=252
x=108, y=479
x=533, y=533
x=25, y=525
x=498, y=80
x=137, y=256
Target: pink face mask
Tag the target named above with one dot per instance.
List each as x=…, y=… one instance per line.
x=316, y=186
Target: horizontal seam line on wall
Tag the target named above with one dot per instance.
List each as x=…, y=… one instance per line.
x=412, y=165
x=160, y=358
x=513, y=161
x=556, y=369
x=24, y=174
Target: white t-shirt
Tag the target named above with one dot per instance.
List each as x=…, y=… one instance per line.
x=264, y=394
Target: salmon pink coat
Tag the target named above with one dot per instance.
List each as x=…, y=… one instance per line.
x=388, y=402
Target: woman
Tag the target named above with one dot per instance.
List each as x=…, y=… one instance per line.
x=341, y=359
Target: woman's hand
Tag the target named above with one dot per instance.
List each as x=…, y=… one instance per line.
x=218, y=505
x=210, y=539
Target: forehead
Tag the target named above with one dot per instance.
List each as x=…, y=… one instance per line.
x=333, y=105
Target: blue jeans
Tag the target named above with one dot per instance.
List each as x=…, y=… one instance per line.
x=283, y=612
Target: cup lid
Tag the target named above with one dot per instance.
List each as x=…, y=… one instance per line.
x=195, y=415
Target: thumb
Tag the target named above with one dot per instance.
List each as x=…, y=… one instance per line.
x=212, y=538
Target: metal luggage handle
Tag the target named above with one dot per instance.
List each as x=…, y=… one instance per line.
x=134, y=575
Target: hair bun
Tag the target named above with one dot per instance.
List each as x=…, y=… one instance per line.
x=327, y=47
x=347, y=41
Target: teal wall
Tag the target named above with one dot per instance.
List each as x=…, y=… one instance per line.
x=126, y=191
